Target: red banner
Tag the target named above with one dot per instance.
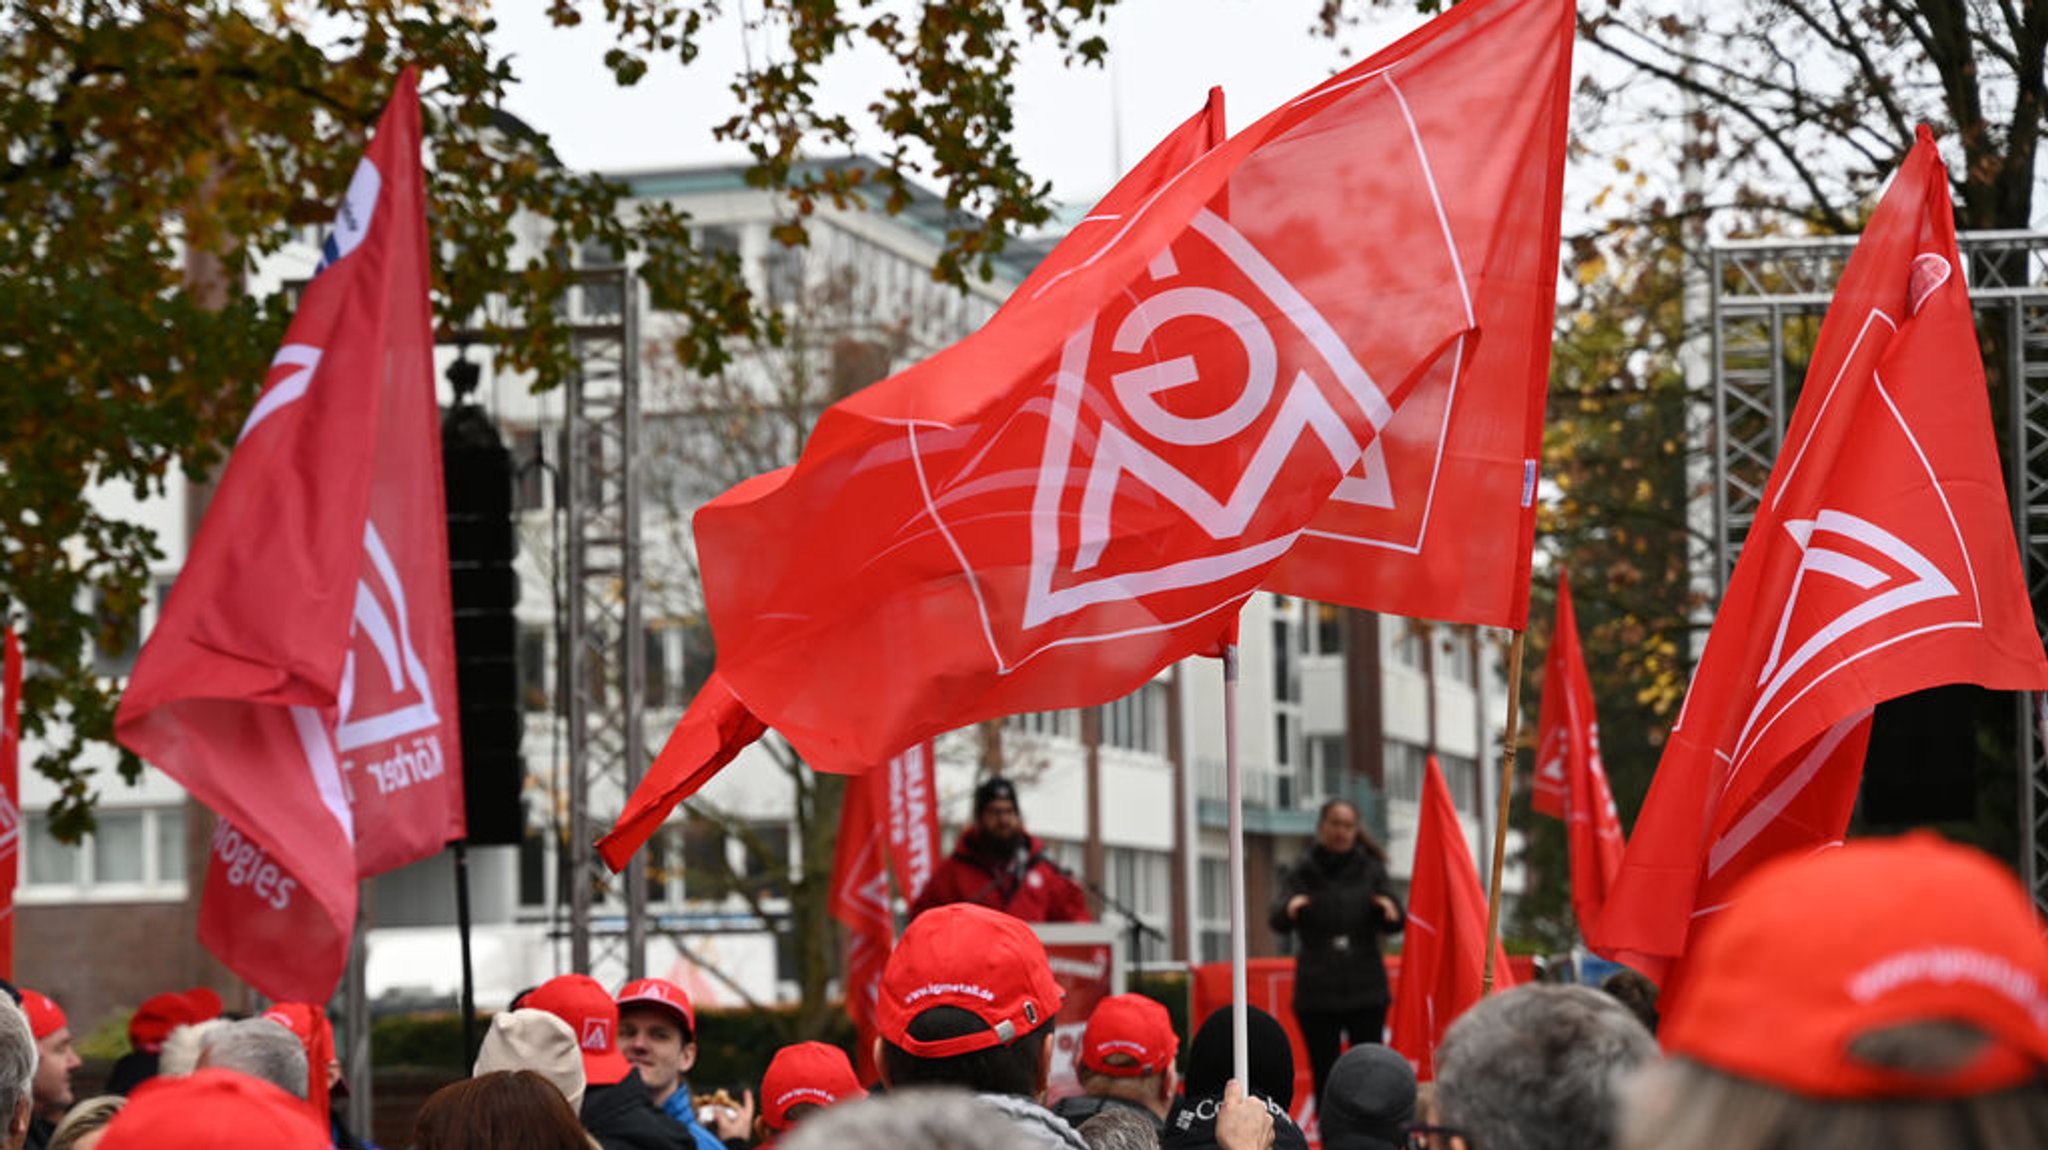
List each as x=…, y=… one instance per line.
x=1881, y=562
x=1083, y=971
x=912, y=811
x=860, y=901
x=302, y=680
x=10, y=791
x=1571, y=781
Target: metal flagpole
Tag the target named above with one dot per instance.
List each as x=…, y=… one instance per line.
x=1234, y=799
x=1500, y=824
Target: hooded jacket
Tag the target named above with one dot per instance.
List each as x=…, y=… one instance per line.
x=1023, y=883
x=623, y=1116
x=1339, y=966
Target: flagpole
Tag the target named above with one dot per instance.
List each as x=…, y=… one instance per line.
x=1500, y=824
x=1234, y=799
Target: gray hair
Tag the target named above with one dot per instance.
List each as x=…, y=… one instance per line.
x=180, y=1055
x=259, y=1048
x=17, y=1060
x=1684, y=1105
x=84, y=1118
x=1540, y=1068
x=1120, y=1128
x=919, y=1118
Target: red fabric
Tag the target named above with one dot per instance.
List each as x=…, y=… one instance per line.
x=1443, y=957
x=1571, y=781
x=160, y=1014
x=979, y=960
x=860, y=901
x=580, y=1001
x=1881, y=562
x=711, y=732
x=10, y=791
x=1131, y=1025
x=1033, y=888
x=911, y=811
x=308, y=1023
x=806, y=1074
x=302, y=680
x=664, y=994
x=212, y=1108
x=45, y=1017
x=1049, y=512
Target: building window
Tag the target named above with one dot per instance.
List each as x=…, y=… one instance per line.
x=1405, y=763
x=1143, y=882
x=1212, y=904
x=1329, y=768
x=1410, y=643
x=136, y=855
x=1461, y=775
x=1046, y=724
x=1326, y=629
x=1457, y=664
x=1137, y=722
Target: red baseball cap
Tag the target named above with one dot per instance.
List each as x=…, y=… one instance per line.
x=578, y=1000
x=154, y=1020
x=1133, y=1025
x=1816, y=951
x=211, y=1108
x=980, y=960
x=45, y=1017
x=808, y=1073
x=664, y=994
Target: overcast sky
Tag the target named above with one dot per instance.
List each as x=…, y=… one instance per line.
x=1166, y=54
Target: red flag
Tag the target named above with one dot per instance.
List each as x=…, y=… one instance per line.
x=860, y=901
x=1881, y=562
x=302, y=680
x=1571, y=782
x=1443, y=956
x=10, y=791
x=912, y=812
x=1047, y=513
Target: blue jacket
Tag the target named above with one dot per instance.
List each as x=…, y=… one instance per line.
x=680, y=1107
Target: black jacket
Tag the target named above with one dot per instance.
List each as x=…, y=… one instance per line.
x=623, y=1116
x=1191, y=1125
x=1081, y=1107
x=1339, y=965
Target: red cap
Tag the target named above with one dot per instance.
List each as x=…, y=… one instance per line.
x=45, y=1017
x=578, y=1000
x=211, y=1108
x=664, y=994
x=1133, y=1025
x=154, y=1020
x=1816, y=951
x=205, y=1001
x=808, y=1073
x=980, y=960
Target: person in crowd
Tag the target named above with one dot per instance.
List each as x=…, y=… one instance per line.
x=801, y=1079
x=967, y=1000
x=617, y=1109
x=500, y=1110
x=1339, y=902
x=1369, y=1101
x=1120, y=1128
x=998, y=864
x=1634, y=990
x=1891, y=994
x=55, y=1060
x=150, y=1025
x=940, y=1119
x=261, y=1048
x=210, y=1109
x=83, y=1125
x=658, y=1035
x=19, y=1060
x=1201, y=1116
x=538, y=1041
x=325, y=1086
x=180, y=1055
x=1126, y=1062
x=1539, y=1067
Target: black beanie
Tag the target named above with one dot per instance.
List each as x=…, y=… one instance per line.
x=1370, y=1095
x=1271, y=1058
x=990, y=790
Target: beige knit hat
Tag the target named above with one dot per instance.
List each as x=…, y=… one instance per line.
x=538, y=1041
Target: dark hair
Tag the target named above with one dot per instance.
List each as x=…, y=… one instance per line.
x=1634, y=990
x=502, y=1110
x=1011, y=1069
x=1372, y=845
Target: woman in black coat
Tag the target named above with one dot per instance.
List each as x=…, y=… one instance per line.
x=1339, y=900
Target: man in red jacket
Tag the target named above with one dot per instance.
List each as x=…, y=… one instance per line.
x=997, y=864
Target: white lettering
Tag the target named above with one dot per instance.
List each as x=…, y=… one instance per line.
x=243, y=863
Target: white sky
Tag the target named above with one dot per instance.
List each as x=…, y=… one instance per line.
x=1165, y=54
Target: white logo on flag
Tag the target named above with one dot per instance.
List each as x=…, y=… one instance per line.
x=352, y=219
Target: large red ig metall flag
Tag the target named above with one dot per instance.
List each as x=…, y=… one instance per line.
x=1047, y=513
x=1881, y=562
x=302, y=680
x=1571, y=781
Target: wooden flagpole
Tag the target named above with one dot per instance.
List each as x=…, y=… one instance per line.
x=1500, y=824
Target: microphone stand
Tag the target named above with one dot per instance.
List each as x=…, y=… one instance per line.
x=1139, y=928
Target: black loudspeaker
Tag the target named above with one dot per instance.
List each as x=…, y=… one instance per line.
x=481, y=543
x=1922, y=765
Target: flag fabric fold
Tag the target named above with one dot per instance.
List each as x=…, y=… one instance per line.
x=712, y=732
x=860, y=901
x=1571, y=781
x=301, y=682
x=1881, y=562
x=1086, y=490
x=1443, y=955
x=910, y=809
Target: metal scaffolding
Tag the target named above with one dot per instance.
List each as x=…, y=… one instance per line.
x=603, y=659
x=1767, y=299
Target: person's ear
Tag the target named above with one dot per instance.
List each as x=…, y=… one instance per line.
x=882, y=1063
x=1044, y=1065
x=1169, y=1084
x=17, y=1124
x=689, y=1057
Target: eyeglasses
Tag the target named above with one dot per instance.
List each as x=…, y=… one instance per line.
x=1425, y=1136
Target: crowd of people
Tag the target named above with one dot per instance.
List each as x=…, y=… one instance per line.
x=1886, y=995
